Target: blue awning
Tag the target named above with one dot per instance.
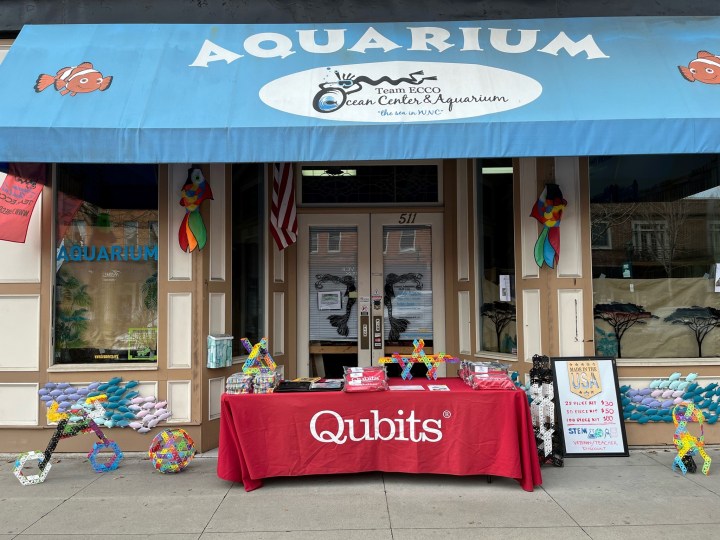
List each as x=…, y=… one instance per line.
x=125, y=93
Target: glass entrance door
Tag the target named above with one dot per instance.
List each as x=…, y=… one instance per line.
x=369, y=285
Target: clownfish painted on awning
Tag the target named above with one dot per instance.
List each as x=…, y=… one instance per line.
x=79, y=79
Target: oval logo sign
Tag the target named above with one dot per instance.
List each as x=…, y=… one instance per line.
x=400, y=92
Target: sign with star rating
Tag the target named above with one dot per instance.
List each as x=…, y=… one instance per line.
x=584, y=378
x=589, y=406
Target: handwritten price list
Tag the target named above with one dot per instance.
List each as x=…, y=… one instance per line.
x=589, y=407
x=590, y=412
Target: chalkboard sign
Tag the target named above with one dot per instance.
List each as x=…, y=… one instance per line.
x=588, y=398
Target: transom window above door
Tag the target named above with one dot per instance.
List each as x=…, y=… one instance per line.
x=342, y=184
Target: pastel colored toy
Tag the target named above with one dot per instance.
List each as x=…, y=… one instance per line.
x=65, y=428
x=687, y=445
x=679, y=389
x=85, y=410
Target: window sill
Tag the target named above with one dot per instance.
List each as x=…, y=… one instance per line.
x=63, y=368
x=490, y=355
x=696, y=361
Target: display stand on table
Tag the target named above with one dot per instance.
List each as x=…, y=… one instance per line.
x=418, y=356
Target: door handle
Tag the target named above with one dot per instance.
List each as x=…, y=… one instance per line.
x=364, y=331
x=377, y=333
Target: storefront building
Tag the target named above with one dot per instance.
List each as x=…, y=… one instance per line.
x=417, y=153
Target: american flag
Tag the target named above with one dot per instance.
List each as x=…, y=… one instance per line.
x=283, y=221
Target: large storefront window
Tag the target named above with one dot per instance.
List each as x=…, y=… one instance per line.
x=496, y=256
x=106, y=264
x=248, y=307
x=655, y=254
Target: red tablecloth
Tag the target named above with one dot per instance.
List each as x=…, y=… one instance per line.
x=460, y=432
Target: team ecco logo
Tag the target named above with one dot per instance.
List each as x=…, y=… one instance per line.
x=333, y=94
x=338, y=430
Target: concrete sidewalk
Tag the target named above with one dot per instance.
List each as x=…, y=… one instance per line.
x=597, y=498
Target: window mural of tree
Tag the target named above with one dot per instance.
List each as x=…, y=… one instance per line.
x=621, y=317
x=700, y=320
x=71, y=306
x=149, y=292
x=500, y=314
x=605, y=342
x=145, y=342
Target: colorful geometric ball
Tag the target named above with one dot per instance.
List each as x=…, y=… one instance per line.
x=171, y=450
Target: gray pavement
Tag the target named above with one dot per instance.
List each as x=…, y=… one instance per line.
x=598, y=498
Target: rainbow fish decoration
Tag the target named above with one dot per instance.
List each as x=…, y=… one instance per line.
x=548, y=211
x=193, y=234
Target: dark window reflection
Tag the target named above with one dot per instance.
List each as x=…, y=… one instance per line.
x=655, y=237
x=496, y=249
x=248, y=310
x=654, y=216
x=351, y=184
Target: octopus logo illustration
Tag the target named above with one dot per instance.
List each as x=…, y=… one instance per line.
x=333, y=95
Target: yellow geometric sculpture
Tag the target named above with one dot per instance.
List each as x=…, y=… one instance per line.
x=259, y=359
x=686, y=444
